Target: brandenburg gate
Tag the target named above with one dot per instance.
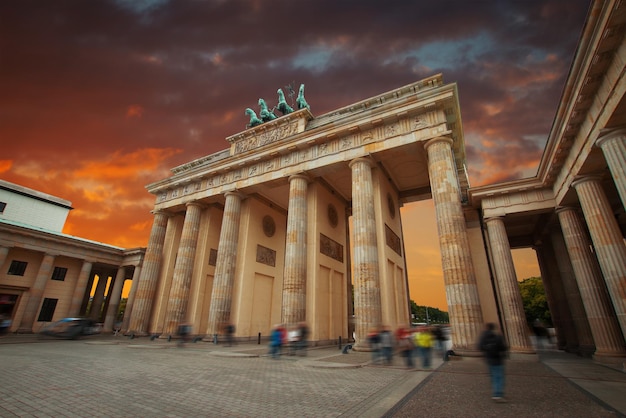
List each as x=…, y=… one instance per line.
x=260, y=233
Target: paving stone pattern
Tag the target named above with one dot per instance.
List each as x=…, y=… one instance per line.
x=78, y=379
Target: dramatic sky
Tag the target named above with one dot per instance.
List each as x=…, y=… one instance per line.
x=99, y=98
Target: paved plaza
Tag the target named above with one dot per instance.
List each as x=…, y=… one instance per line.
x=116, y=376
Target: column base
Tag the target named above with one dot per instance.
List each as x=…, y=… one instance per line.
x=133, y=334
x=611, y=359
x=362, y=348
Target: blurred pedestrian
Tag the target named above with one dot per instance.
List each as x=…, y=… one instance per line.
x=406, y=346
x=386, y=345
x=492, y=345
x=229, y=332
x=373, y=339
x=184, y=332
x=302, y=337
x=276, y=341
x=424, y=341
x=541, y=333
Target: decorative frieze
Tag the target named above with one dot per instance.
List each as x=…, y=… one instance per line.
x=261, y=136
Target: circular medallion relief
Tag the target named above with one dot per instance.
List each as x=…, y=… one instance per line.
x=333, y=218
x=392, y=206
x=269, y=227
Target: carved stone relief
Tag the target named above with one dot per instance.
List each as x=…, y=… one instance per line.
x=265, y=256
x=331, y=248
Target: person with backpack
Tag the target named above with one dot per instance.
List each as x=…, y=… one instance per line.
x=492, y=345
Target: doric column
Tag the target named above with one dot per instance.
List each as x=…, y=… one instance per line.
x=585, y=345
x=115, y=295
x=613, y=146
x=511, y=303
x=35, y=292
x=367, y=309
x=131, y=298
x=95, y=311
x=183, y=270
x=221, y=297
x=607, y=241
x=602, y=320
x=80, y=288
x=294, y=278
x=559, y=310
x=458, y=270
x=146, y=287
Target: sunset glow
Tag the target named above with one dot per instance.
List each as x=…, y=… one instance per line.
x=101, y=98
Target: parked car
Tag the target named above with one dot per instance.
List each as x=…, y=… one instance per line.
x=72, y=328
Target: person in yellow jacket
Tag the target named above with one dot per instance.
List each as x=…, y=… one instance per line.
x=424, y=342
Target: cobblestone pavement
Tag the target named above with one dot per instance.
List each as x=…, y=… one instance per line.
x=103, y=378
x=116, y=376
x=532, y=389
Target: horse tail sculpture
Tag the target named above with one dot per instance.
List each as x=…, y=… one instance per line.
x=254, y=120
x=300, y=101
x=265, y=114
x=283, y=107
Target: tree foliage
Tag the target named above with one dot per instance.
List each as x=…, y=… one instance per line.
x=428, y=314
x=535, y=301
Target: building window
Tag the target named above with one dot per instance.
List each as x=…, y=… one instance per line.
x=17, y=268
x=3, y=205
x=59, y=273
x=47, y=310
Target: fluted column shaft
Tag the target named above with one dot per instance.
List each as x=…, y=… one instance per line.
x=115, y=295
x=605, y=328
x=131, y=298
x=95, y=311
x=559, y=310
x=607, y=241
x=586, y=347
x=80, y=289
x=146, y=287
x=613, y=146
x=183, y=269
x=367, y=309
x=506, y=279
x=458, y=270
x=35, y=293
x=294, y=278
x=223, y=282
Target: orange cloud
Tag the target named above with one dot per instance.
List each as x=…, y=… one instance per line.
x=134, y=111
x=5, y=165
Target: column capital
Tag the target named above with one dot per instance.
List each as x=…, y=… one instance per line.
x=195, y=203
x=368, y=160
x=437, y=140
x=303, y=176
x=561, y=209
x=493, y=218
x=608, y=134
x=578, y=180
x=235, y=193
x=160, y=212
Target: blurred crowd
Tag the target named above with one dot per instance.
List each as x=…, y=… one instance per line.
x=413, y=344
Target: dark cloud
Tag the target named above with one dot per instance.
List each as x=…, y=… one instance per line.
x=85, y=81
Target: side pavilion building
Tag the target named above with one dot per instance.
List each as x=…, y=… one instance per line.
x=298, y=220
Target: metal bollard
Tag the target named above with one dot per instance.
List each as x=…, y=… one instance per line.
x=214, y=338
x=259, y=339
x=340, y=342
